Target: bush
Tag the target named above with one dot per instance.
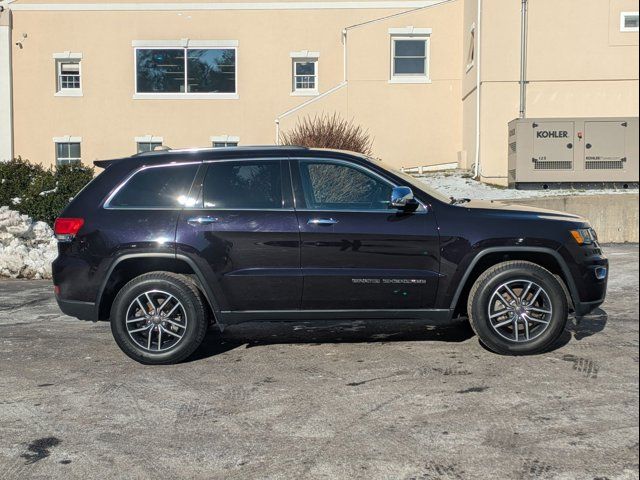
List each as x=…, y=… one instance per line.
x=42, y=193
x=329, y=131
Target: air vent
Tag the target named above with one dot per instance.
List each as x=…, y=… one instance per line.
x=553, y=165
x=604, y=165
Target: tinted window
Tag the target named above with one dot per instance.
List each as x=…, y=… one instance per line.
x=331, y=186
x=161, y=187
x=243, y=185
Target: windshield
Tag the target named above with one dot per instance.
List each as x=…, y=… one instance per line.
x=412, y=181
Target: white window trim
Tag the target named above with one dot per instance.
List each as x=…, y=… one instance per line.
x=623, y=15
x=183, y=43
x=59, y=58
x=310, y=57
x=472, y=33
x=224, y=139
x=66, y=139
x=149, y=139
x=413, y=34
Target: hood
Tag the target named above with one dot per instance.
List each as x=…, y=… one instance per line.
x=505, y=207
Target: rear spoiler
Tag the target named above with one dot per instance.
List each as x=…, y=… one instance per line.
x=106, y=163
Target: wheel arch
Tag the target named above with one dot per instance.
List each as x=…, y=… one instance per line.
x=545, y=257
x=129, y=266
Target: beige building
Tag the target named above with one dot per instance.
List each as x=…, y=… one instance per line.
x=435, y=82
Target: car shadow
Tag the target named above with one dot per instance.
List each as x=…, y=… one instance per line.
x=255, y=334
x=579, y=328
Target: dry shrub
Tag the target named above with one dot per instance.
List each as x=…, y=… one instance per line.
x=329, y=131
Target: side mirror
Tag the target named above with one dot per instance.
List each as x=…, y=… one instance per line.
x=402, y=198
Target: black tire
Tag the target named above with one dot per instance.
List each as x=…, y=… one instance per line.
x=481, y=294
x=186, y=292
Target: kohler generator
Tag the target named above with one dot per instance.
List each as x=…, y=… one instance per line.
x=573, y=152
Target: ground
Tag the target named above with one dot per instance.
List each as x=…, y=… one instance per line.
x=394, y=400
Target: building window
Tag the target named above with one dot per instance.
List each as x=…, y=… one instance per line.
x=304, y=72
x=410, y=55
x=224, y=141
x=629, y=22
x=68, y=74
x=471, y=52
x=67, y=151
x=148, y=146
x=185, y=72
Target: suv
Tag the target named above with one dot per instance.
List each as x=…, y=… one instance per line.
x=165, y=243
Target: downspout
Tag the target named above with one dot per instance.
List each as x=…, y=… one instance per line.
x=523, y=60
x=476, y=172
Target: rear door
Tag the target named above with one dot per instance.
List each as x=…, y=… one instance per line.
x=244, y=234
x=356, y=253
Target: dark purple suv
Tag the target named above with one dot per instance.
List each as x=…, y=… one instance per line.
x=165, y=243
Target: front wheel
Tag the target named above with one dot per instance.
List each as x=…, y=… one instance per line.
x=518, y=308
x=159, y=318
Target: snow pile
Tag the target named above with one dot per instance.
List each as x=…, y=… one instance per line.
x=27, y=248
x=460, y=186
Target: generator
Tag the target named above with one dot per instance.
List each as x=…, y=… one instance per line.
x=573, y=152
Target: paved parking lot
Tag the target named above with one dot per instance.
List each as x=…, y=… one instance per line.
x=319, y=400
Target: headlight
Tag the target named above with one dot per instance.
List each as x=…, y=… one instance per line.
x=584, y=236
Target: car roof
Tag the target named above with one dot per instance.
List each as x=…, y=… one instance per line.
x=158, y=157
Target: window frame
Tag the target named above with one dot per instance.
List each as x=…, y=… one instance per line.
x=410, y=33
x=623, y=27
x=67, y=140
x=107, y=203
x=285, y=185
x=149, y=139
x=226, y=139
x=295, y=91
x=471, y=50
x=298, y=186
x=184, y=45
x=59, y=60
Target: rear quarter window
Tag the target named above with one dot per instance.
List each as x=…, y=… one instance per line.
x=165, y=186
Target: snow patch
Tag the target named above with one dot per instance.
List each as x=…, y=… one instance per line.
x=27, y=248
x=459, y=186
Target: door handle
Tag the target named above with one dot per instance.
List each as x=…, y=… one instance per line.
x=322, y=221
x=201, y=220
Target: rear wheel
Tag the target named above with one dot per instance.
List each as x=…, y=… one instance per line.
x=159, y=318
x=518, y=308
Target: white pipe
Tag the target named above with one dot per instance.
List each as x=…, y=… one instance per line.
x=6, y=94
x=523, y=60
x=476, y=172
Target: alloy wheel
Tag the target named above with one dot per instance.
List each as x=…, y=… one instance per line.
x=156, y=321
x=520, y=310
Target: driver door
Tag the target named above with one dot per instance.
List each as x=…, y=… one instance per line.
x=356, y=252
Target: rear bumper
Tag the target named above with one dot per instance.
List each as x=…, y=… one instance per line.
x=80, y=310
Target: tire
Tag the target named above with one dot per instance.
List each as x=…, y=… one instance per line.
x=521, y=329
x=153, y=339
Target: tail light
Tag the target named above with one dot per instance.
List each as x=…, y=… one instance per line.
x=65, y=229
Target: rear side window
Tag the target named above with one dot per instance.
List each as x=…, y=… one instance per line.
x=246, y=184
x=157, y=187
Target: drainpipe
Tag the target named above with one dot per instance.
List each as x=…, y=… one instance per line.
x=476, y=172
x=344, y=55
x=523, y=60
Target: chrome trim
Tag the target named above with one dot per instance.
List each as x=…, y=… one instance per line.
x=322, y=221
x=201, y=220
x=401, y=197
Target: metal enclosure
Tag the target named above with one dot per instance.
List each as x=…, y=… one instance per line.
x=585, y=152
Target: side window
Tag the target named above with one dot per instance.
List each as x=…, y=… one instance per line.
x=334, y=186
x=246, y=184
x=157, y=187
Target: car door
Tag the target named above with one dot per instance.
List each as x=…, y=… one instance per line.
x=356, y=253
x=244, y=234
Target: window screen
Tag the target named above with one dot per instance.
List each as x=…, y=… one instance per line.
x=247, y=184
x=341, y=187
x=161, y=187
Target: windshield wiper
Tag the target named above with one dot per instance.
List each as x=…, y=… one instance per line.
x=457, y=201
